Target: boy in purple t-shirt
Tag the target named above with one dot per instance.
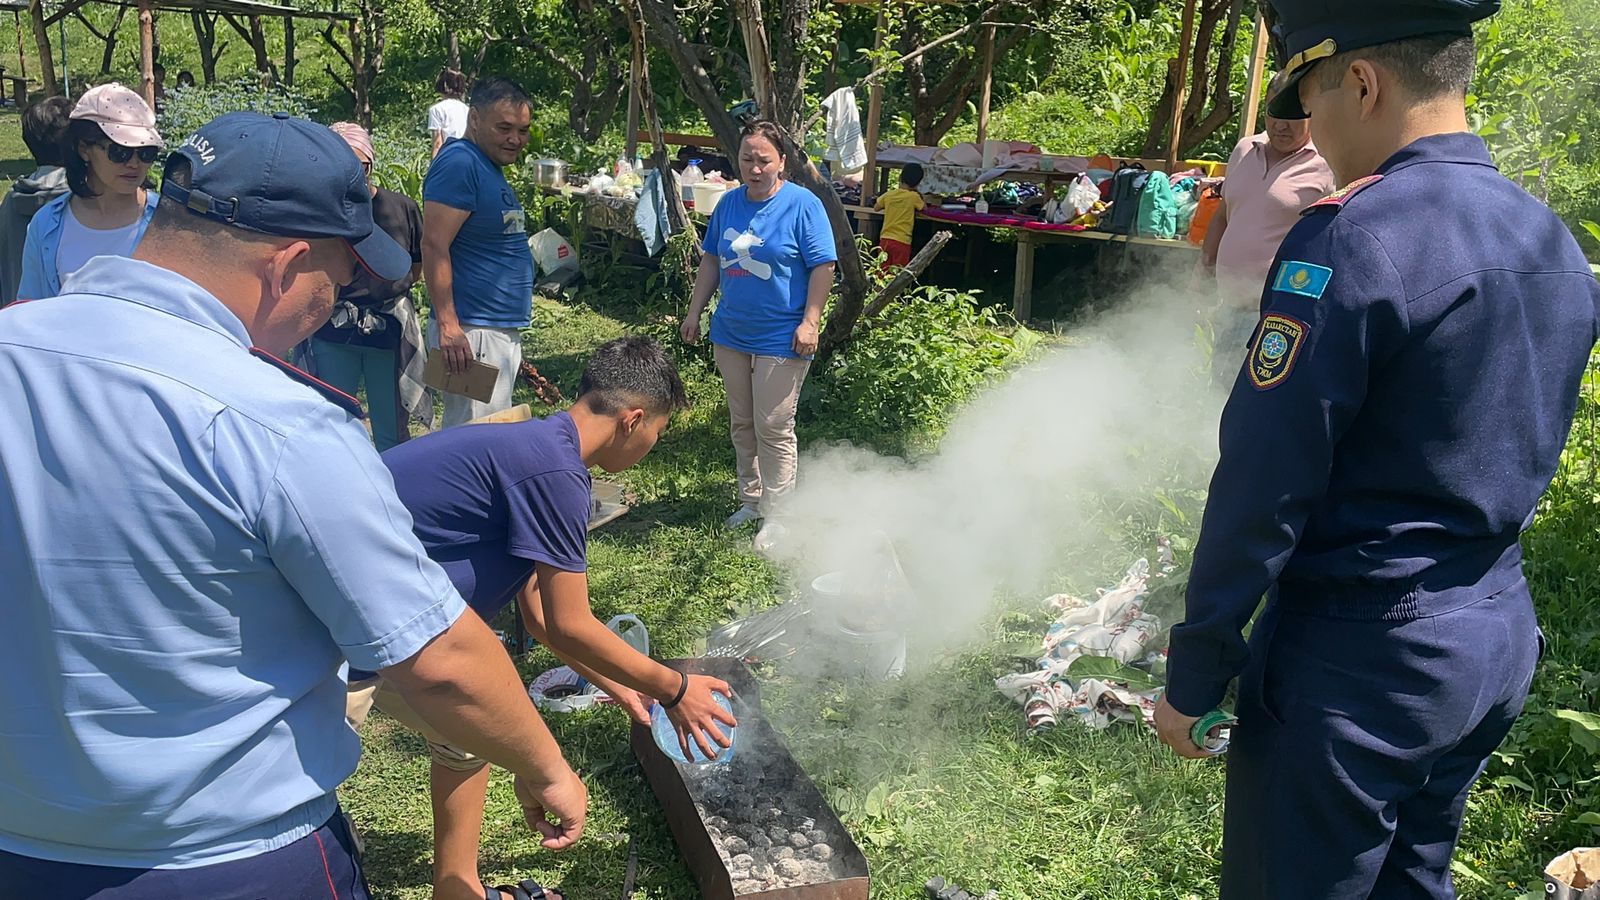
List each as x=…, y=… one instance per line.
x=504, y=509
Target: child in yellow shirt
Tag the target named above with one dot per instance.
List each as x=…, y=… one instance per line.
x=900, y=208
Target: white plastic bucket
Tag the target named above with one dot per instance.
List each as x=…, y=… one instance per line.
x=706, y=195
x=868, y=649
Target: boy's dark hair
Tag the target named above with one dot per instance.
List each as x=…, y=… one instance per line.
x=629, y=372
x=489, y=91
x=1428, y=67
x=911, y=175
x=44, y=130
x=451, y=83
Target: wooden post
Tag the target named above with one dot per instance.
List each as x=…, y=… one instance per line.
x=988, y=89
x=1258, y=69
x=22, y=58
x=288, y=51
x=147, y=53
x=1022, y=288
x=869, y=175
x=632, y=134
x=1182, y=84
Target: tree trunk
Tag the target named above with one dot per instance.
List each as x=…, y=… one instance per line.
x=41, y=38
x=108, y=38
x=453, y=57
x=205, y=38
x=265, y=67
x=1205, y=82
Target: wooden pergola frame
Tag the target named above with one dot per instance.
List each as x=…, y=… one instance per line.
x=147, y=9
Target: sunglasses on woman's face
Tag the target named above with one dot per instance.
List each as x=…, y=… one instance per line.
x=120, y=154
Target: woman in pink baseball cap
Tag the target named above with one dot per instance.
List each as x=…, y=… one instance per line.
x=112, y=142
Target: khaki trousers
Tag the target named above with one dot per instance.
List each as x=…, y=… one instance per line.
x=361, y=696
x=762, y=394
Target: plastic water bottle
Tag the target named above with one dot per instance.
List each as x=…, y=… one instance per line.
x=666, y=736
x=690, y=177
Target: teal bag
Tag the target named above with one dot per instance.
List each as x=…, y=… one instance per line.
x=1158, y=208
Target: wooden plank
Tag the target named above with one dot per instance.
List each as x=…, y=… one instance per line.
x=1184, y=47
x=680, y=139
x=1258, y=68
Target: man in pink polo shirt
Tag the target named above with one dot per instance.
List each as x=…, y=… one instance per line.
x=1272, y=176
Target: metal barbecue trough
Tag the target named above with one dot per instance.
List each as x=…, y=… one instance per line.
x=755, y=828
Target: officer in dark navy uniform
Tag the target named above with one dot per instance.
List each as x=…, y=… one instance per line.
x=1401, y=407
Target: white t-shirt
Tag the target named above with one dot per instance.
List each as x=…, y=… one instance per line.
x=449, y=116
x=80, y=243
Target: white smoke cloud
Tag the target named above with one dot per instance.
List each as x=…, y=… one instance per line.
x=1032, y=470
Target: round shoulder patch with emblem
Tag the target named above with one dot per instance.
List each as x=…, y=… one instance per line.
x=1277, y=344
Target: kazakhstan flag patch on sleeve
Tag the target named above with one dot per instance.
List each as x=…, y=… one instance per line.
x=1302, y=278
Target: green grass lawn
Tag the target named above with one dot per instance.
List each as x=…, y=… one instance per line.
x=932, y=774
x=15, y=160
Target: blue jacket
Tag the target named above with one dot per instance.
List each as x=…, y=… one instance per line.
x=1402, y=407
x=39, y=277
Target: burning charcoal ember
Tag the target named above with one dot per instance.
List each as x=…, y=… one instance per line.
x=759, y=840
x=807, y=823
x=763, y=872
x=741, y=862
x=782, y=853
x=717, y=822
x=817, y=836
x=748, y=831
x=814, y=871
x=821, y=852
x=735, y=845
x=799, y=841
x=746, y=886
x=789, y=869
x=771, y=814
x=778, y=834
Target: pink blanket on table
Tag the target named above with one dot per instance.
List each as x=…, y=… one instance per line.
x=972, y=218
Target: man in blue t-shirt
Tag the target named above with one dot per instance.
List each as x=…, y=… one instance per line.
x=504, y=509
x=475, y=254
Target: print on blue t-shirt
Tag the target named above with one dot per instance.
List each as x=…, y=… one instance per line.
x=490, y=262
x=767, y=250
x=489, y=501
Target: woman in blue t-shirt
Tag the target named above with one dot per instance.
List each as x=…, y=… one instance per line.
x=770, y=250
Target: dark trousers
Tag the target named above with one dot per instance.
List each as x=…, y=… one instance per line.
x=1357, y=744
x=319, y=866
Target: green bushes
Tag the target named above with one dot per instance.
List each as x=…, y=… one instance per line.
x=186, y=109
x=895, y=385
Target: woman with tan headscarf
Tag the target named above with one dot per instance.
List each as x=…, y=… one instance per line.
x=363, y=340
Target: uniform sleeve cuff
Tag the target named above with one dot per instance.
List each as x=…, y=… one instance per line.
x=1193, y=694
x=404, y=642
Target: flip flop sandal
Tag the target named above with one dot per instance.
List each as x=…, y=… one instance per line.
x=527, y=890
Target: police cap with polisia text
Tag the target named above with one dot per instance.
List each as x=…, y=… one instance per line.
x=283, y=176
x=1311, y=30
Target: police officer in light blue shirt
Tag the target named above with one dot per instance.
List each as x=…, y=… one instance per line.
x=197, y=536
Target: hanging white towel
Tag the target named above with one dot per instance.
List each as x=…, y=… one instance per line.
x=845, y=145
